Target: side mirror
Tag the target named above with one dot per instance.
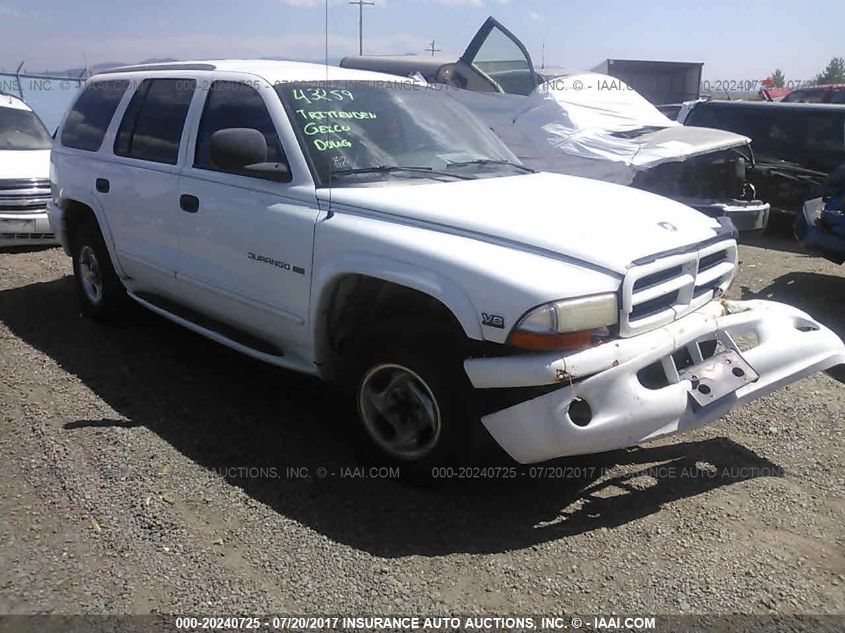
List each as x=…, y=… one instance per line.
x=234, y=148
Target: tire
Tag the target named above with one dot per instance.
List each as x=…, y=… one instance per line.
x=413, y=402
x=101, y=294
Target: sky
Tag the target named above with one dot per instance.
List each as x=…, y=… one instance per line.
x=737, y=40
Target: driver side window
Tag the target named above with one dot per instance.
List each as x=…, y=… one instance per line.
x=231, y=104
x=500, y=58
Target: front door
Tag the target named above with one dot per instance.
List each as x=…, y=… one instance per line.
x=246, y=240
x=501, y=59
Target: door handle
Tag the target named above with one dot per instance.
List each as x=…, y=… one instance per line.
x=189, y=204
x=102, y=185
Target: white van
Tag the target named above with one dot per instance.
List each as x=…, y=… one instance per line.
x=24, y=175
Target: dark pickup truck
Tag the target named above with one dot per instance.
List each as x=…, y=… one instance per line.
x=796, y=145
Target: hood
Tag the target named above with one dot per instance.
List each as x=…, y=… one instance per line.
x=675, y=143
x=602, y=224
x=24, y=163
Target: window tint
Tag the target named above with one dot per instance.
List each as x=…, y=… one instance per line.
x=235, y=105
x=152, y=125
x=89, y=118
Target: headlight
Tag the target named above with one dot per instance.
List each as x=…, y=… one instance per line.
x=566, y=324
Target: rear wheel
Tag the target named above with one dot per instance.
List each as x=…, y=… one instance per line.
x=101, y=293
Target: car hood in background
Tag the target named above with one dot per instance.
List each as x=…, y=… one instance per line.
x=591, y=131
x=594, y=222
x=24, y=164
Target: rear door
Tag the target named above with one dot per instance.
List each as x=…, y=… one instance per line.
x=501, y=59
x=139, y=185
x=247, y=244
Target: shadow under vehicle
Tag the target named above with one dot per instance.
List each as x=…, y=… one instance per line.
x=211, y=405
x=588, y=124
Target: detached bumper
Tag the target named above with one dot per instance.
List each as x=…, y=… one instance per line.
x=623, y=411
x=746, y=215
x=25, y=229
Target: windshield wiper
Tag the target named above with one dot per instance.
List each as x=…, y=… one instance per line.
x=491, y=161
x=389, y=169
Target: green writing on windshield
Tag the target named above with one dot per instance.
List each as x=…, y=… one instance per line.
x=312, y=95
x=318, y=115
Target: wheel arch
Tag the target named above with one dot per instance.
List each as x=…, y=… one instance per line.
x=361, y=287
x=77, y=209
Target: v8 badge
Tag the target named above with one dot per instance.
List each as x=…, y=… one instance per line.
x=493, y=320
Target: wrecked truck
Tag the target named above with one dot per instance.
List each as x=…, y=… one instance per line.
x=589, y=124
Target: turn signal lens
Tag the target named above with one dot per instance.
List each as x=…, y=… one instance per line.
x=569, y=340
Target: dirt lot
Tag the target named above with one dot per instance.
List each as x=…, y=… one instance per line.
x=125, y=486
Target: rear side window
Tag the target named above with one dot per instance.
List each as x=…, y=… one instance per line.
x=151, y=128
x=231, y=105
x=88, y=120
x=805, y=96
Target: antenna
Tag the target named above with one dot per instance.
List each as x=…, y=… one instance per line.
x=329, y=211
x=18, y=79
x=434, y=50
x=543, y=61
x=361, y=4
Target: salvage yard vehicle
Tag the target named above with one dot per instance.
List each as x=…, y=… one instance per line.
x=589, y=124
x=371, y=231
x=24, y=175
x=824, y=93
x=821, y=227
x=796, y=145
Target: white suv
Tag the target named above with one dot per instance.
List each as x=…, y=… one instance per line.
x=24, y=175
x=370, y=230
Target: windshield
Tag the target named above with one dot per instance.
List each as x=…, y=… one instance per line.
x=22, y=129
x=359, y=132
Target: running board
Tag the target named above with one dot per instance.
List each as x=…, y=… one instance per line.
x=222, y=333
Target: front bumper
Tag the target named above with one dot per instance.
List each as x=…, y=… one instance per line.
x=25, y=229
x=750, y=215
x=790, y=345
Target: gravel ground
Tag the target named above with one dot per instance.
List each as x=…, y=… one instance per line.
x=123, y=487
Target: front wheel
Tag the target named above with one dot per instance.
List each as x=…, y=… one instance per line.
x=101, y=293
x=413, y=404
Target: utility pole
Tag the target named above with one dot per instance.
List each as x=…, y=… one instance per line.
x=434, y=50
x=361, y=4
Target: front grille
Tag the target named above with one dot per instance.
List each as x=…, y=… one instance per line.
x=657, y=293
x=24, y=195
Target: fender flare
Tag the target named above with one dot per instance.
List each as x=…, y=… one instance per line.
x=86, y=198
x=429, y=282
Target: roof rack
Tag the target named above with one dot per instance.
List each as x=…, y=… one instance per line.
x=139, y=67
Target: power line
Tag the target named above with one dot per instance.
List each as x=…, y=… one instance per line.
x=433, y=50
x=361, y=4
